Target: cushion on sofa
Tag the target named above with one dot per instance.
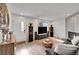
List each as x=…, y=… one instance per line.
x=75, y=40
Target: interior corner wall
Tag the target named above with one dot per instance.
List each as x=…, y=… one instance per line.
x=59, y=28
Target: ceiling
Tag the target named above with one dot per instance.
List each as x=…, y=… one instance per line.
x=48, y=11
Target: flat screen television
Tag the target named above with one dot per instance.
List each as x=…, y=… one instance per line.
x=42, y=30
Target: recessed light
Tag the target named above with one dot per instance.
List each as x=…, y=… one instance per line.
x=67, y=14
x=21, y=14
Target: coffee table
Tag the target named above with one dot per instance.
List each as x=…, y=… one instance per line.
x=47, y=43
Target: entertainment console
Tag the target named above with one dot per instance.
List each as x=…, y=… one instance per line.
x=40, y=36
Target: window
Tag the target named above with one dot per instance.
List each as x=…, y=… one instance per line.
x=22, y=26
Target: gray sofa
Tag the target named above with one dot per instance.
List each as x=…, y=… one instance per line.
x=64, y=49
x=67, y=48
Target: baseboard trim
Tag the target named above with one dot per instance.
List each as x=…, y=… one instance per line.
x=59, y=38
x=20, y=42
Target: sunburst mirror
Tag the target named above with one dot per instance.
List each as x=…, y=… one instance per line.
x=4, y=16
x=4, y=20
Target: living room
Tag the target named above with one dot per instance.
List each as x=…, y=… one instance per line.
x=39, y=29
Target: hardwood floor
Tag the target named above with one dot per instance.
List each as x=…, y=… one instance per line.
x=34, y=48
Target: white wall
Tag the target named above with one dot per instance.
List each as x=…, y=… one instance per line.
x=0, y=36
x=72, y=24
x=76, y=23
x=16, y=26
x=59, y=27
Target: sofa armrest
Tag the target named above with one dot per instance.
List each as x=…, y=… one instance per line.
x=65, y=49
x=67, y=41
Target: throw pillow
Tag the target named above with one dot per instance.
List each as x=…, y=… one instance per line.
x=75, y=40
